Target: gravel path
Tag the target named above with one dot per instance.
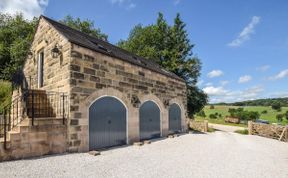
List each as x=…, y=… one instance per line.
x=218, y=154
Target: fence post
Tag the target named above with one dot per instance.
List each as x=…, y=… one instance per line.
x=9, y=119
x=5, y=125
x=250, y=127
x=63, y=109
x=32, y=108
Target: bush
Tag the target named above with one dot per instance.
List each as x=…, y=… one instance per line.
x=201, y=113
x=276, y=106
x=212, y=116
x=279, y=117
x=212, y=107
x=286, y=115
x=243, y=115
x=264, y=112
x=5, y=93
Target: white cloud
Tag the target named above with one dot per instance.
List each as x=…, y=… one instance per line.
x=215, y=73
x=131, y=6
x=244, y=79
x=245, y=33
x=215, y=91
x=224, y=82
x=176, y=2
x=263, y=68
x=280, y=75
x=127, y=3
x=29, y=8
x=220, y=94
x=280, y=94
x=209, y=84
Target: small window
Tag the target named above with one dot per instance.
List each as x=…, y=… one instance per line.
x=40, y=69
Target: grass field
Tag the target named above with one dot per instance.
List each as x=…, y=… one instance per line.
x=223, y=110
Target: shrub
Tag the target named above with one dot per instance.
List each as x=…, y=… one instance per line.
x=212, y=116
x=5, y=93
x=264, y=112
x=202, y=113
x=276, y=106
x=212, y=107
x=286, y=115
x=279, y=117
x=243, y=115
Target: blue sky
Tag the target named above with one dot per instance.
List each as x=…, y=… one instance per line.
x=243, y=45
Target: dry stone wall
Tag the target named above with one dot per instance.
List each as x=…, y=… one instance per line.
x=267, y=130
x=201, y=126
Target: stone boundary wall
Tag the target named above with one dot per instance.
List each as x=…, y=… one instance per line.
x=267, y=130
x=46, y=137
x=234, y=120
x=201, y=126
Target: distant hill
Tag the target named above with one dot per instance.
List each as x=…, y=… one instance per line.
x=258, y=102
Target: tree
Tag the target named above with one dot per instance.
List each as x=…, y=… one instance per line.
x=279, y=117
x=201, y=113
x=170, y=47
x=212, y=106
x=196, y=100
x=5, y=94
x=16, y=35
x=276, y=106
x=86, y=26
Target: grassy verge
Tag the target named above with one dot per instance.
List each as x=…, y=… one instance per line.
x=243, y=132
x=219, y=121
x=211, y=129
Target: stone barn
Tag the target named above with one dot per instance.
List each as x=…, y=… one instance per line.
x=80, y=93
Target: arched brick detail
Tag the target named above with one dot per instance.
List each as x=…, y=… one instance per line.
x=184, y=120
x=132, y=116
x=163, y=111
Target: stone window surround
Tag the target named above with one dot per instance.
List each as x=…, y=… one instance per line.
x=133, y=129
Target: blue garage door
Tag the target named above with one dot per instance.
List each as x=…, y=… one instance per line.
x=174, y=118
x=107, y=123
x=149, y=121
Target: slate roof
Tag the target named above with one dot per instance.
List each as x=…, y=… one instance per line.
x=95, y=44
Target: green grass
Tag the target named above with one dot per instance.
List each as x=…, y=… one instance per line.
x=243, y=132
x=210, y=130
x=223, y=110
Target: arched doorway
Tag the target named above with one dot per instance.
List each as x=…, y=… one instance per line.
x=174, y=118
x=149, y=121
x=107, y=123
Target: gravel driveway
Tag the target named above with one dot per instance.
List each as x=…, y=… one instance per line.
x=218, y=154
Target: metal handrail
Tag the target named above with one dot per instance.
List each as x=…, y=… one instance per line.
x=33, y=104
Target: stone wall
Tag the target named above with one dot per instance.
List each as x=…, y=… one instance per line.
x=94, y=74
x=201, y=126
x=56, y=70
x=267, y=130
x=232, y=120
x=47, y=136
